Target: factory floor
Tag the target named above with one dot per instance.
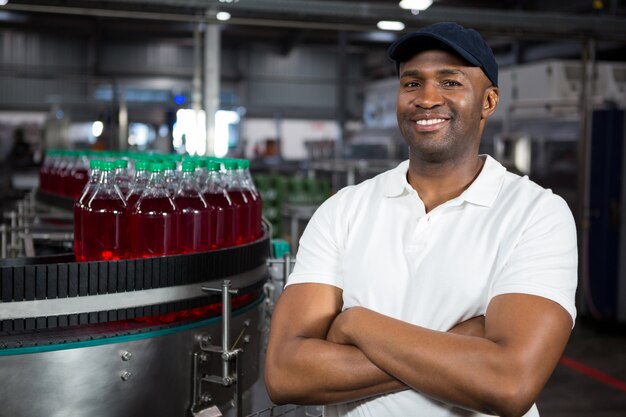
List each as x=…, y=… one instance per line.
x=590, y=380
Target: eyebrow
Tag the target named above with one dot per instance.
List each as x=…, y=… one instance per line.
x=443, y=71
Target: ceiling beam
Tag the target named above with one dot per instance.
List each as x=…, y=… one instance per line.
x=335, y=15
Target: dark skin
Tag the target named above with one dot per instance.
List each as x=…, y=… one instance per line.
x=496, y=365
x=443, y=157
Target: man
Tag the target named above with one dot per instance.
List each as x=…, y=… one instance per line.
x=444, y=287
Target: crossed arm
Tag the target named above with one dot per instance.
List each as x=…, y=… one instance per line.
x=318, y=355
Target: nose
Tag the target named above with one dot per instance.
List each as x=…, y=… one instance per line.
x=428, y=96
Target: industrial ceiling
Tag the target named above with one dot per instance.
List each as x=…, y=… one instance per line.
x=525, y=19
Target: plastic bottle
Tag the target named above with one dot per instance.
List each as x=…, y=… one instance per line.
x=240, y=198
x=104, y=220
x=170, y=175
x=223, y=214
x=59, y=172
x=78, y=175
x=154, y=219
x=64, y=181
x=254, y=197
x=138, y=183
x=79, y=206
x=122, y=179
x=194, y=226
x=201, y=171
x=45, y=170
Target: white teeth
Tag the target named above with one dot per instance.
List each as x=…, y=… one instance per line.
x=426, y=122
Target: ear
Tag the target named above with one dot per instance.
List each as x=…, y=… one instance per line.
x=490, y=102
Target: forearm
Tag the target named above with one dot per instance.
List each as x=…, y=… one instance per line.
x=456, y=369
x=501, y=373
x=315, y=371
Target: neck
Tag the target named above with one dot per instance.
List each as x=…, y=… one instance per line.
x=438, y=182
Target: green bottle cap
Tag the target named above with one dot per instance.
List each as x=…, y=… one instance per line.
x=156, y=167
x=169, y=164
x=121, y=163
x=230, y=164
x=189, y=166
x=95, y=164
x=142, y=165
x=243, y=164
x=201, y=163
x=213, y=166
x=107, y=165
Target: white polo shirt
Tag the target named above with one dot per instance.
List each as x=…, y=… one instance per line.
x=375, y=241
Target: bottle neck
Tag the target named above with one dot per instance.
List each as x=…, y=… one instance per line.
x=214, y=184
x=94, y=175
x=156, y=180
x=141, y=176
x=107, y=177
x=231, y=180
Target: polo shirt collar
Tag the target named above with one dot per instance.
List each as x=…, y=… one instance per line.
x=396, y=183
x=486, y=187
x=483, y=191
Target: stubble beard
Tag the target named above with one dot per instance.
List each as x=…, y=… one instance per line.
x=433, y=147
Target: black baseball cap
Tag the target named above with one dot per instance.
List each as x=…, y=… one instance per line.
x=447, y=35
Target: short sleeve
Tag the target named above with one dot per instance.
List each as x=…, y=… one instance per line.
x=544, y=261
x=318, y=257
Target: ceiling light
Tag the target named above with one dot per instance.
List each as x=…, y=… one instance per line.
x=3, y=2
x=416, y=4
x=223, y=16
x=390, y=25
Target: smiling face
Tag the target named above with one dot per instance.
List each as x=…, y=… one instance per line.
x=442, y=105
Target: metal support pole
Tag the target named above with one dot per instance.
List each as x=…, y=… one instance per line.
x=13, y=231
x=342, y=91
x=122, y=120
x=584, y=167
x=196, y=86
x=621, y=277
x=3, y=241
x=20, y=215
x=212, y=43
x=286, y=266
x=225, y=350
x=226, y=331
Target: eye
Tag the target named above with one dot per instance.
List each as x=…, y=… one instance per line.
x=411, y=84
x=451, y=83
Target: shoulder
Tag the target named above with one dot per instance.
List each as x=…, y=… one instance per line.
x=366, y=193
x=523, y=195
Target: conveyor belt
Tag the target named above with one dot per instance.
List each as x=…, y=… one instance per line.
x=58, y=277
x=70, y=329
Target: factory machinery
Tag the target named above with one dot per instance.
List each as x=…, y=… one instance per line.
x=179, y=335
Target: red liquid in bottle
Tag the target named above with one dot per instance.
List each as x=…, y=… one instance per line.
x=256, y=215
x=77, y=182
x=194, y=226
x=44, y=177
x=79, y=254
x=106, y=221
x=154, y=223
x=242, y=215
x=223, y=219
x=80, y=205
x=53, y=178
x=64, y=180
x=132, y=198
